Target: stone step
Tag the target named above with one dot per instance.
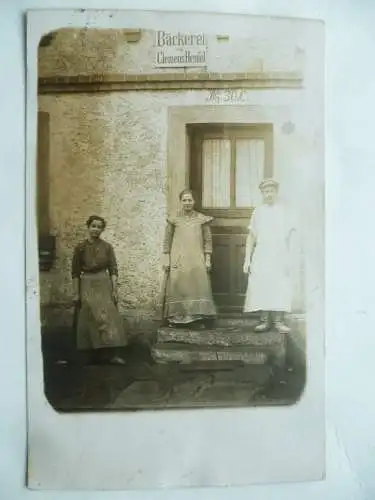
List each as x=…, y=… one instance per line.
x=220, y=336
x=174, y=352
x=249, y=321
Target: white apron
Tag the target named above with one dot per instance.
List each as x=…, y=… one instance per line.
x=270, y=285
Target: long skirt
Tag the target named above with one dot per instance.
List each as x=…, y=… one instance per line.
x=189, y=296
x=99, y=322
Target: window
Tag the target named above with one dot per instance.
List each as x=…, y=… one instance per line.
x=228, y=164
x=216, y=172
x=249, y=171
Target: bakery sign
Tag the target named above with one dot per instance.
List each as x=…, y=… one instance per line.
x=180, y=50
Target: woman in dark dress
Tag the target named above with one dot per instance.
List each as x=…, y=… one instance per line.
x=187, y=251
x=100, y=328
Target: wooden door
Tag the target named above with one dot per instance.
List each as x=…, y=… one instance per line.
x=227, y=163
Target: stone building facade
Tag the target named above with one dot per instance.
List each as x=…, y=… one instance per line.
x=115, y=141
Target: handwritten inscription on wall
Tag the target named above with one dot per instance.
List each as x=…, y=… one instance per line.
x=179, y=50
x=227, y=96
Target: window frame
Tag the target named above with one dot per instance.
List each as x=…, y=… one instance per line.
x=199, y=132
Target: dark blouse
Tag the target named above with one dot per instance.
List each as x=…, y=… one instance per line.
x=93, y=257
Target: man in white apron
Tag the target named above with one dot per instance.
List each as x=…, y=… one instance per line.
x=267, y=261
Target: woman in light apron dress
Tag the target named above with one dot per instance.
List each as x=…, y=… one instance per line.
x=187, y=254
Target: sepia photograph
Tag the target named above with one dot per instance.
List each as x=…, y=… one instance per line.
x=179, y=193
x=171, y=271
